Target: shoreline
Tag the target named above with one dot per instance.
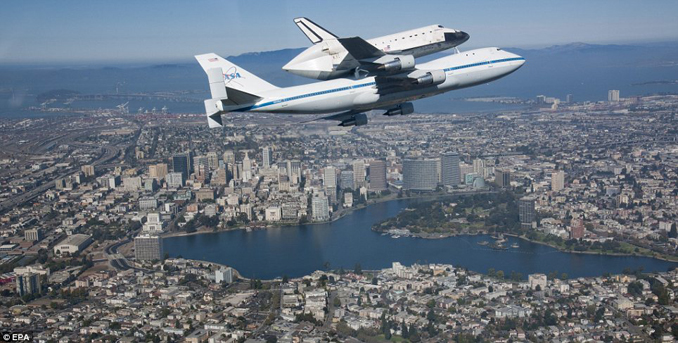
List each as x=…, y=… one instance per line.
x=341, y=214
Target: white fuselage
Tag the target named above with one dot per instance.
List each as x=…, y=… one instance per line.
x=462, y=70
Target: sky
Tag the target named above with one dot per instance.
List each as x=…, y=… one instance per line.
x=122, y=31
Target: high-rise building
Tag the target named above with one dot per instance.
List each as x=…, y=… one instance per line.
x=223, y=275
x=450, y=174
x=420, y=174
x=293, y=169
x=320, y=208
x=148, y=247
x=212, y=160
x=378, y=176
x=541, y=99
x=158, y=171
x=479, y=166
x=569, y=99
x=27, y=283
x=330, y=179
x=346, y=180
x=576, y=228
x=359, y=174
x=557, y=180
x=88, y=170
x=220, y=177
x=200, y=161
x=175, y=180
x=228, y=156
x=526, y=212
x=537, y=280
x=502, y=178
x=613, y=95
x=246, y=168
x=267, y=157
x=181, y=163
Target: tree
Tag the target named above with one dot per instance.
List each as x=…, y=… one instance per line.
x=358, y=269
x=405, y=332
x=285, y=279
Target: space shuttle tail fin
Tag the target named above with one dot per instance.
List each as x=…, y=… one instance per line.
x=313, y=31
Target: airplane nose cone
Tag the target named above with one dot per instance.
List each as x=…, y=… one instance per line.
x=456, y=38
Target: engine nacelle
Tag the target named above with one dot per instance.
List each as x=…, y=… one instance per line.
x=427, y=77
x=394, y=63
x=357, y=120
x=402, y=109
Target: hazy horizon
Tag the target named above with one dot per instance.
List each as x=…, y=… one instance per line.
x=43, y=32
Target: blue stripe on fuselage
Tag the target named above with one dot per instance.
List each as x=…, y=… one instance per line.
x=367, y=84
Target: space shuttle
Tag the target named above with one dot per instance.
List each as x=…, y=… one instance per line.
x=332, y=57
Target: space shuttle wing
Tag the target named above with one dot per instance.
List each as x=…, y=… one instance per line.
x=359, y=48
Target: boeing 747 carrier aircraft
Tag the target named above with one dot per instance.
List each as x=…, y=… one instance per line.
x=390, y=85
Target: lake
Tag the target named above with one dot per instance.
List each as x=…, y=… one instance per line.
x=299, y=250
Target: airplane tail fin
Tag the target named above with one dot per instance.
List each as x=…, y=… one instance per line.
x=313, y=31
x=231, y=87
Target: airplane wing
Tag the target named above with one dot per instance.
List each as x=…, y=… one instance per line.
x=359, y=48
x=313, y=31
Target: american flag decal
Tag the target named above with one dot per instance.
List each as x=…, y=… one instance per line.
x=213, y=59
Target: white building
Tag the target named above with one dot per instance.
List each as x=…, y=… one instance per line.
x=72, y=244
x=535, y=280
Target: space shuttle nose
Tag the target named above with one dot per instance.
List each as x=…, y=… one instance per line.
x=457, y=37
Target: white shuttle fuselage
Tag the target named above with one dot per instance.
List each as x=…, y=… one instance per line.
x=328, y=58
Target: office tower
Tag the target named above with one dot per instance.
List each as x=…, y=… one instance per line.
x=267, y=157
x=181, y=163
x=541, y=99
x=27, y=283
x=88, y=170
x=502, y=178
x=577, y=229
x=148, y=247
x=557, y=180
x=294, y=171
x=175, y=180
x=330, y=179
x=320, y=209
x=569, y=99
x=113, y=181
x=220, y=177
x=450, y=174
x=378, y=176
x=613, y=95
x=229, y=156
x=346, y=180
x=200, y=161
x=359, y=174
x=223, y=275
x=212, y=160
x=158, y=171
x=246, y=168
x=420, y=174
x=526, y=212
x=479, y=166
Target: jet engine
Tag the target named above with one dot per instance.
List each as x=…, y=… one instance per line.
x=402, y=109
x=394, y=63
x=427, y=77
x=356, y=120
